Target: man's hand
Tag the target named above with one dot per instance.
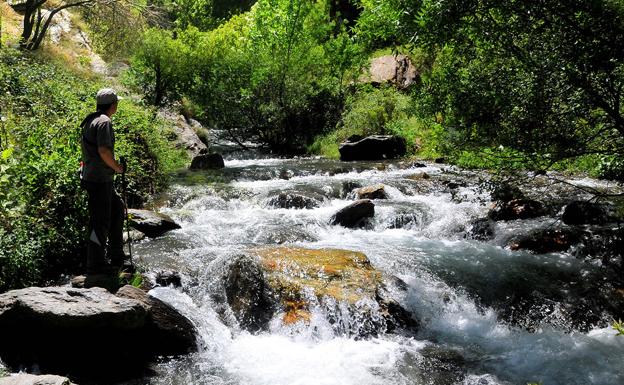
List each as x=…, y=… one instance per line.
x=107, y=156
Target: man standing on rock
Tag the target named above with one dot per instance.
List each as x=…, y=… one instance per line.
x=106, y=208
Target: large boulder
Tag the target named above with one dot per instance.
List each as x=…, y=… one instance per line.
x=395, y=69
x=150, y=223
x=249, y=294
x=207, y=162
x=377, y=191
x=374, y=147
x=86, y=332
x=355, y=214
x=167, y=331
x=287, y=282
x=185, y=133
x=30, y=379
x=516, y=209
x=582, y=213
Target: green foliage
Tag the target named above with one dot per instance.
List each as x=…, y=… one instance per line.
x=274, y=75
x=383, y=111
x=42, y=207
x=161, y=66
x=137, y=280
x=115, y=28
x=618, y=326
x=531, y=77
x=193, y=13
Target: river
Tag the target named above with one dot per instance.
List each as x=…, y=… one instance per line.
x=488, y=315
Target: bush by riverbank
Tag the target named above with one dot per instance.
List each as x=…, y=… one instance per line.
x=42, y=208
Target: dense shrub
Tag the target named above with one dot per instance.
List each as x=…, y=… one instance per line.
x=42, y=208
x=382, y=111
x=274, y=75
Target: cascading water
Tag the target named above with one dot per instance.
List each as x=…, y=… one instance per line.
x=472, y=330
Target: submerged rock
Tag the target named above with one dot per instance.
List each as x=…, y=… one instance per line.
x=481, y=229
x=30, y=379
x=516, y=209
x=582, y=213
x=168, y=278
x=377, y=191
x=289, y=281
x=348, y=186
x=207, y=162
x=546, y=241
x=248, y=294
x=375, y=147
x=294, y=200
x=150, y=223
x=355, y=214
x=505, y=192
x=85, y=332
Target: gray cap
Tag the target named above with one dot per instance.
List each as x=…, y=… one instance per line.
x=107, y=96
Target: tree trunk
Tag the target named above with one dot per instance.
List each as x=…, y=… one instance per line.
x=158, y=97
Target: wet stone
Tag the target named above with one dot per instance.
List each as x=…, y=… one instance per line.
x=30, y=379
x=151, y=223
x=482, y=229
x=377, y=191
x=354, y=215
x=294, y=200
x=581, y=213
x=546, y=241
x=207, y=162
x=271, y=281
x=168, y=278
x=516, y=209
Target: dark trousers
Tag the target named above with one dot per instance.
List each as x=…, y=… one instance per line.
x=106, y=213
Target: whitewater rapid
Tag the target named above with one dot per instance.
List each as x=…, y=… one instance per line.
x=441, y=267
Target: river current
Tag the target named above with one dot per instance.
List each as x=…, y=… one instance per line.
x=452, y=282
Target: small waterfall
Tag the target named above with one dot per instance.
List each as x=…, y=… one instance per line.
x=477, y=325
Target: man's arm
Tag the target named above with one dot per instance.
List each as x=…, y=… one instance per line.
x=107, y=156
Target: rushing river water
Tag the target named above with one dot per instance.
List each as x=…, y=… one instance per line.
x=461, y=290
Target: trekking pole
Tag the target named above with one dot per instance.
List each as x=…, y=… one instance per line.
x=124, y=186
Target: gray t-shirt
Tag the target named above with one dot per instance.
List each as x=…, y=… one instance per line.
x=97, y=131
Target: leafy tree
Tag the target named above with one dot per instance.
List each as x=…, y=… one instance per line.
x=274, y=75
x=195, y=13
x=37, y=20
x=38, y=15
x=543, y=77
x=161, y=65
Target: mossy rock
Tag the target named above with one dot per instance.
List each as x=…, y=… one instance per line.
x=289, y=281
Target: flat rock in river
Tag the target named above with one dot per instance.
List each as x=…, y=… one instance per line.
x=30, y=379
x=290, y=281
x=150, y=223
